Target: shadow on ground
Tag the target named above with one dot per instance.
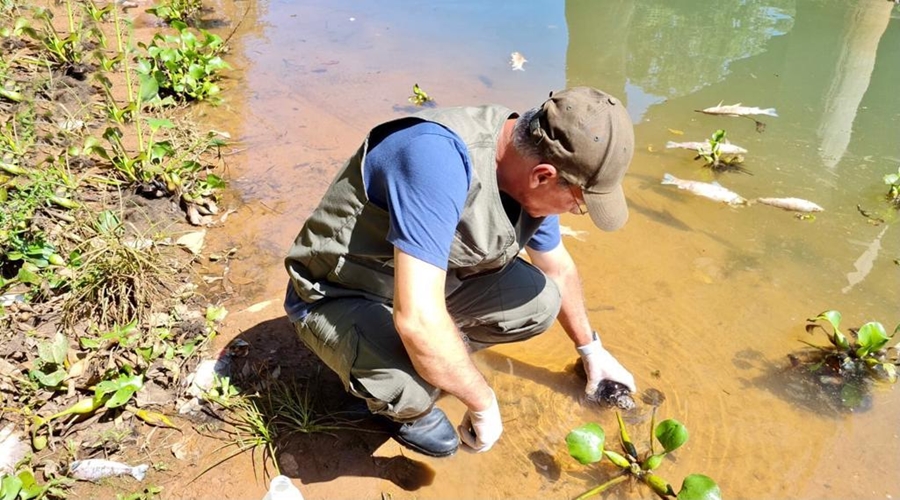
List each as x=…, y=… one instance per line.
x=318, y=455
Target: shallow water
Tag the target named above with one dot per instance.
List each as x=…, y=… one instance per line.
x=700, y=300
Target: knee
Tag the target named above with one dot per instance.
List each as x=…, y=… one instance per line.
x=546, y=309
x=398, y=395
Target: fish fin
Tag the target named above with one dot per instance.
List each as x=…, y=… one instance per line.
x=668, y=179
x=716, y=183
x=769, y=111
x=139, y=471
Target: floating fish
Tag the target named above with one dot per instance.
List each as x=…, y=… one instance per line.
x=568, y=231
x=704, y=147
x=737, y=110
x=711, y=190
x=517, y=60
x=795, y=204
x=95, y=469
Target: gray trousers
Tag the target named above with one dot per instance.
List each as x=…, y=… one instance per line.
x=356, y=337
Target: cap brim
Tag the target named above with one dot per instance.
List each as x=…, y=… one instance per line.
x=608, y=210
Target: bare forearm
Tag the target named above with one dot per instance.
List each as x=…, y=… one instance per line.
x=440, y=357
x=572, y=315
x=557, y=264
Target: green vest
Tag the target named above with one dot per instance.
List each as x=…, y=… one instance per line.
x=342, y=249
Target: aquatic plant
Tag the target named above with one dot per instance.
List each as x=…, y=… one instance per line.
x=586, y=444
x=419, y=97
x=183, y=66
x=714, y=157
x=893, y=182
x=839, y=377
x=865, y=353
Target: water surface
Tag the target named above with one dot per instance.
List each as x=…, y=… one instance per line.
x=700, y=300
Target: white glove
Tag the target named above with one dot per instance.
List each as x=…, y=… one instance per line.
x=481, y=429
x=600, y=365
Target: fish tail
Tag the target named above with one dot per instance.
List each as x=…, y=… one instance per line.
x=139, y=471
x=671, y=144
x=669, y=179
x=769, y=111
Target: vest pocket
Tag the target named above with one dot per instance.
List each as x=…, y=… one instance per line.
x=372, y=277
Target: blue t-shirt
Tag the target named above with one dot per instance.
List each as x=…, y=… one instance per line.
x=420, y=174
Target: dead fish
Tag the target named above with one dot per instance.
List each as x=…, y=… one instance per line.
x=95, y=469
x=795, y=204
x=568, y=231
x=712, y=190
x=737, y=110
x=517, y=60
x=704, y=147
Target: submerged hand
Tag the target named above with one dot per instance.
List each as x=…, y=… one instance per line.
x=600, y=365
x=481, y=429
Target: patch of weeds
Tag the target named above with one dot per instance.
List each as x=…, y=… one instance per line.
x=259, y=421
x=185, y=11
x=115, y=276
x=25, y=486
x=148, y=493
x=586, y=444
x=67, y=49
x=28, y=256
x=181, y=67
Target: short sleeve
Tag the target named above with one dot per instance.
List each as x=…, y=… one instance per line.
x=420, y=175
x=547, y=237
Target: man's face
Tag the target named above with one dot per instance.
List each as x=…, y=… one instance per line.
x=554, y=197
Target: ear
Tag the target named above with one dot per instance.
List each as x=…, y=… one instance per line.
x=543, y=173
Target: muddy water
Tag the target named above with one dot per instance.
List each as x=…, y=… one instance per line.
x=701, y=301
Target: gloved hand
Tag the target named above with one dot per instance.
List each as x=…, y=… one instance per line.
x=481, y=429
x=599, y=364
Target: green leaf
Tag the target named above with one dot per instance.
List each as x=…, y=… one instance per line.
x=871, y=337
x=122, y=388
x=54, y=352
x=652, y=462
x=585, y=443
x=158, y=123
x=627, y=444
x=10, y=487
x=89, y=343
x=30, y=487
x=660, y=486
x=699, y=487
x=833, y=317
x=671, y=434
x=617, y=459
x=149, y=87
x=48, y=379
x=216, y=314
x=216, y=182
x=120, y=397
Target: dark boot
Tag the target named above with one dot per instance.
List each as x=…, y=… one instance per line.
x=431, y=434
